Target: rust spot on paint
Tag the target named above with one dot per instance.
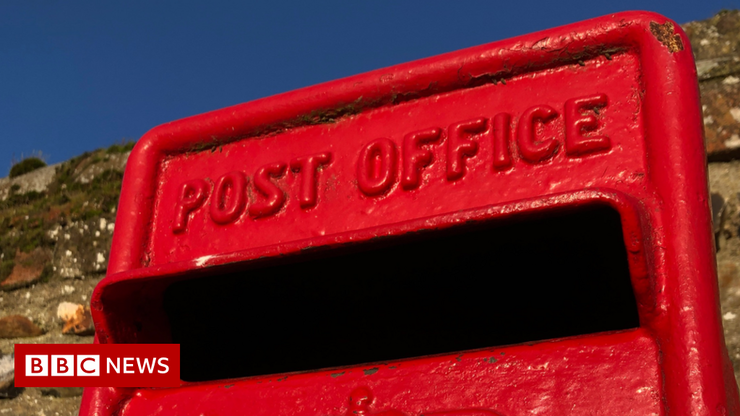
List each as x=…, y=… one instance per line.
x=458, y=358
x=337, y=374
x=666, y=35
x=370, y=371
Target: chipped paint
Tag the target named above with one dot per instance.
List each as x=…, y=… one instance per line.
x=666, y=35
x=200, y=261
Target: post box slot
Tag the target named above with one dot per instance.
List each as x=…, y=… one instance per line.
x=466, y=287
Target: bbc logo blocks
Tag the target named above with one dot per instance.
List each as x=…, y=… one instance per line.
x=62, y=365
x=38, y=365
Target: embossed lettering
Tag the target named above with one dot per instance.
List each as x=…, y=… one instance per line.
x=415, y=158
x=501, y=139
x=229, y=198
x=361, y=404
x=577, y=123
x=308, y=167
x=460, y=146
x=192, y=195
x=273, y=197
x=376, y=168
x=531, y=148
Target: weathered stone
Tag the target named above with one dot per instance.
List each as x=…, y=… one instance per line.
x=723, y=67
x=82, y=247
x=61, y=391
x=718, y=36
x=87, y=172
x=77, y=319
x=36, y=181
x=716, y=43
x=28, y=269
x=7, y=376
x=718, y=208
x=724, y=179
x=22, y=276
x=721, y=105
x=17, y=326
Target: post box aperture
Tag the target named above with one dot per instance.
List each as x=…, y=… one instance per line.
x=520, y=227
x=465, y=288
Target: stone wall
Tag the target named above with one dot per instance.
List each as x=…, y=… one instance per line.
x=56, y=225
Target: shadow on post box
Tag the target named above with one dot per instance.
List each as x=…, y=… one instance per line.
x=515, y=228
x=466, y=288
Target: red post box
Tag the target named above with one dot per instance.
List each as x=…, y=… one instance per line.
x=511, y=229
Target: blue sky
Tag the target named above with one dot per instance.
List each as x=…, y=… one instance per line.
x=80, y=75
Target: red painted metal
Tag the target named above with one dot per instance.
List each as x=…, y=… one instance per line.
x=604, y=111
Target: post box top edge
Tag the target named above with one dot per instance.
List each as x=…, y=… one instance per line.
x=356, y=93
x=629, y=30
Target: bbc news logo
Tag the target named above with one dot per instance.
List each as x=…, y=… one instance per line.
x=97, y=365
x=89, y=365
x=62, y=365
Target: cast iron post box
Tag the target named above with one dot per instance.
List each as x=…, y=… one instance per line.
x=511, y=229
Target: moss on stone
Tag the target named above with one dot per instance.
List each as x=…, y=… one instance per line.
x=26, y=165
x=123, y=147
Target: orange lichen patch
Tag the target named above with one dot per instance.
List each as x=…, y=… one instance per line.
x=77, y=319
